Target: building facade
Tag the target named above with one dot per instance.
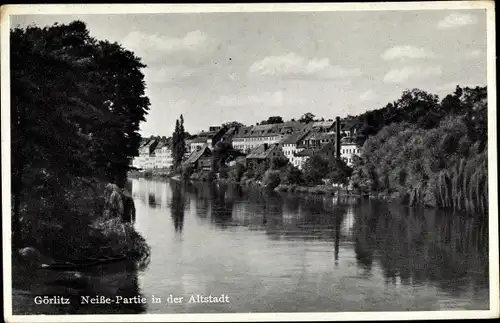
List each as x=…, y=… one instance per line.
x=248, y=138
x=163, y=155
x=348, y=149
x=263, y=154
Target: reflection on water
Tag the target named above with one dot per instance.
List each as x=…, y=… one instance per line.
x=273, y=252
x=177, y=206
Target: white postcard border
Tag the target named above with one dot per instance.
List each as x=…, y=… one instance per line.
x=81, y=9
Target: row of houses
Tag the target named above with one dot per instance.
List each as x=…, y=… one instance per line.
x=154, y=153
x=292, y=140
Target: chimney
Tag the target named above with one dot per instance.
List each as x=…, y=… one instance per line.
x=337, y=137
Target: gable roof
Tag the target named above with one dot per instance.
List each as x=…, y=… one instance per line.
x=261, y=152
x=153, y=145
x=319, y=136
x=162, y=143
x=197, y=154
x=199, y=139
x=294, y=138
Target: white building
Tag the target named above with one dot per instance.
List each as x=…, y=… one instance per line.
x=290, y=147
x=143, y=161
x=349, y=149
x=248, y=138
x=163, y=155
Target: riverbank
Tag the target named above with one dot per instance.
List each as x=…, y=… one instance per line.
x=157, y=173
x=206, y=176
x=78, y=230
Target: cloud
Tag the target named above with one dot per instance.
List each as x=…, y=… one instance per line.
x=456, y=20
x=167, y=73
x=406, y=73
x=297, y=66
x=368, y=96
x=268, y=99
x=404, y=52
x=156, y=46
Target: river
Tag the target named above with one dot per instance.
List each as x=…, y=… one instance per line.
x=272, y=252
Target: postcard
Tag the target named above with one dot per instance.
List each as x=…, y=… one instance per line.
x=249, y=162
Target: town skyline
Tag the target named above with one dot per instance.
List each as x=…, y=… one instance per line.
x=290, y=63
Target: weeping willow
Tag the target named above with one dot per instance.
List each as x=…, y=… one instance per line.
x=464, y=187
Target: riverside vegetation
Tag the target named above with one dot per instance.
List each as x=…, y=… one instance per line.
x=76, y=107
x=416, y=150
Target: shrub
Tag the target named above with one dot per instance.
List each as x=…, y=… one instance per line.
x=291, y=175
x=235, y=172
x=260, y=170
x=223, y=173
x=315, y=169
x=271, y=179
x=278, y=163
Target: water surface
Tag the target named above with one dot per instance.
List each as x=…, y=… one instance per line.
x=270, y=252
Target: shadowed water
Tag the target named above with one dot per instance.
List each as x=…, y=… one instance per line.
x=271, y=252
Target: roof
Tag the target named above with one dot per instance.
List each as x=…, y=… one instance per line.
x=312, y=151
x=197, y=154
x=153, y=145
x=261, y=152
x=294, y=138
x=264, y=127
x=319, y=136
x=270, y=129
x=231, y=131
x=145, y=142
x=323, y=124
x=294, y=124
x=198, y=140
x=307, y=152
x=162, y=143
x=208, y=133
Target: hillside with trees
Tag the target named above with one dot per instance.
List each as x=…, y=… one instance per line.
x=425, y=152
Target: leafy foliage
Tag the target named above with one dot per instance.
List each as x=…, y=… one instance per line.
x=272, y=120
x=76, y=105
x=307, y=117
x=178, y=142
x=443, y=165
x=315, y=169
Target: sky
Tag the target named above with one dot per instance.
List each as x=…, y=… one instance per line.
x=218, y=67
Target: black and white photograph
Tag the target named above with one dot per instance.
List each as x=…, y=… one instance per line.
x=249, y=162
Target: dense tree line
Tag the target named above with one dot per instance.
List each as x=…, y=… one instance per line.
x=76, y=105
x=426, y=152
x=424, y=110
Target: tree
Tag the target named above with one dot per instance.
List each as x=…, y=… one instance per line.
x=234, y=124
x=307, y=118
x=278, y=162
x=315, y=169
x=339, y=172
x=291, y=175
x=76, y=105
x=272, y=120
x=236, y=172
x=178, y=142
